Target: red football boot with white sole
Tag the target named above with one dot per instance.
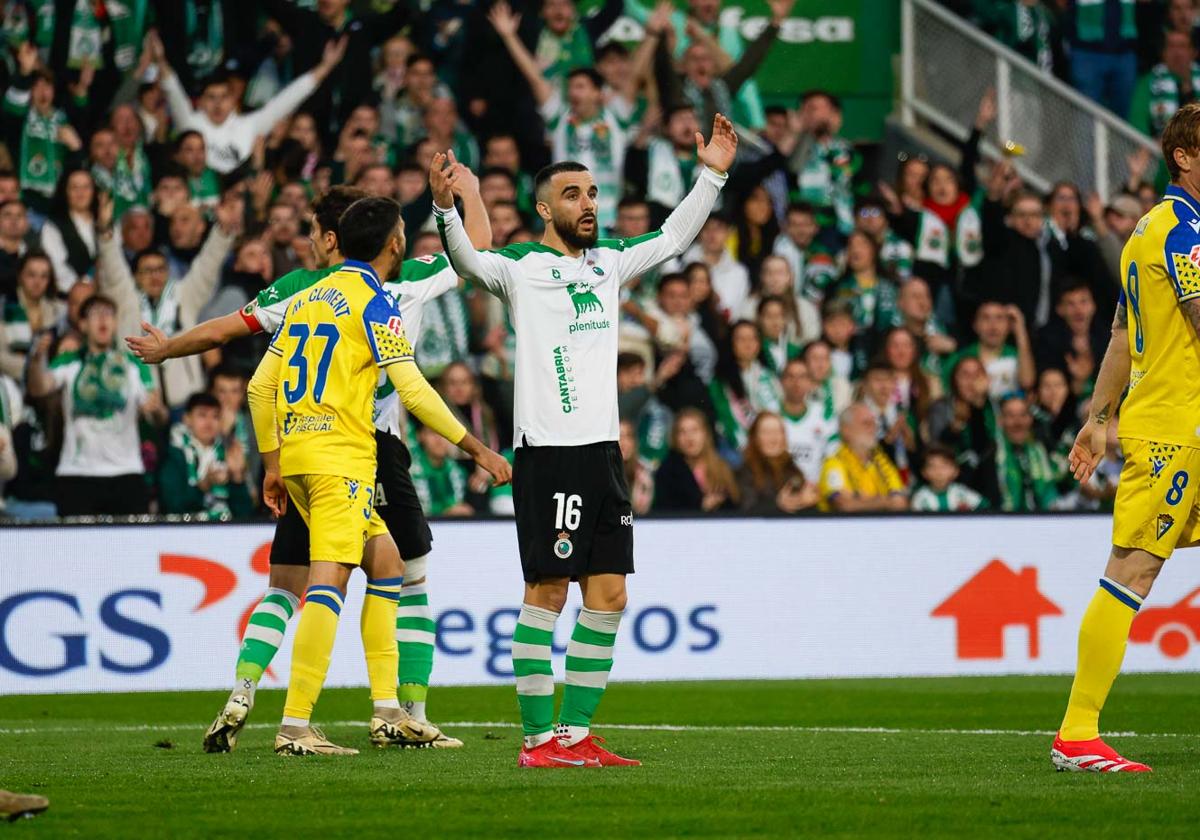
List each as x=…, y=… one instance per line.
x=1092, y=756
x=590, y=747
x=552, y=754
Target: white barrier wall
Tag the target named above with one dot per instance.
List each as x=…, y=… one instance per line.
x=159, y=607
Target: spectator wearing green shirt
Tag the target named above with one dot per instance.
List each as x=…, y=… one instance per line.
x=1029, y=27
x=200, y=475
x=869, y=293
x=1010, y=366
x=1027, y=477
x=441, y=481
x=1168, y=86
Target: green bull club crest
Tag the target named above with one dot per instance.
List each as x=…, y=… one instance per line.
x=584, y=298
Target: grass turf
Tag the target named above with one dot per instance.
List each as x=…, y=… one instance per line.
x=130, y=765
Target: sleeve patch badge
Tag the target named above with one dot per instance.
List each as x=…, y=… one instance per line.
x=390, y=343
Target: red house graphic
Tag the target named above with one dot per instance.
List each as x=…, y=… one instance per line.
x=995, y=598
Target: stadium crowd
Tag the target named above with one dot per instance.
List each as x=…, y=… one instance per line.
x=1135, y=57
x=832, y=341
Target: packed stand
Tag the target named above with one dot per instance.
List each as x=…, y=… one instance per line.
x=1137, y=58
x=832, y=341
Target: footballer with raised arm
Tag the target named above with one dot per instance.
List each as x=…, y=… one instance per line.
x=574, y=518
x=421, y=280
x=1154, y=351
x=312, y=400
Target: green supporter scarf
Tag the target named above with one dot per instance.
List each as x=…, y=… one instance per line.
x=99, y=388
x=560, y=55
x=444, y=486
x=199, y=460
x=871, y=305
x=205, y=32
x=205, y=188
x=86, y=41
x=127, y=23
x=1089, y=20
x=445, y=333
x=826, y=182
x=1164, y=95
x=43, y=30
x=129, y=184
x=41, y=153
x=1027, y=477
x=16, y=26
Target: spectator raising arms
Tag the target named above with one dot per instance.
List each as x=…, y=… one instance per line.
x=104, y=390
x=147, y=298
x=229, y=137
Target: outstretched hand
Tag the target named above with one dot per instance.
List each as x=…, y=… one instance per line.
x=151, y=347
x=443, y=178
x=275, y=494
x=721, y=148
x=463, y=181
x=1087, y=450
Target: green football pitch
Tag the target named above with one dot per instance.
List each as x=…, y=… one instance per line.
x=850, y=758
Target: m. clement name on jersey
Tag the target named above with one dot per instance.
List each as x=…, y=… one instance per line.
x=328, y=294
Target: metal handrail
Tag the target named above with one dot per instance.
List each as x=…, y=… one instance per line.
x=911, y=106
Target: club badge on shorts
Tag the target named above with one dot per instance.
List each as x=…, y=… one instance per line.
x=563, y=547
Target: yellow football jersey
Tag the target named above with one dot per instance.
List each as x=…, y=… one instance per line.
x=333, y=339
x=1160, y=267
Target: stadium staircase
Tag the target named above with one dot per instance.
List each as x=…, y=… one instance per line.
x=946, y=65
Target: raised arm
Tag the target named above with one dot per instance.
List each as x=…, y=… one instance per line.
x=156, y=346
x=488, y=270
x=178, y=103
x=197, y=286
x=41, y=382
x=466, y=187
x=288, y=100
x=113, y=277
x=507, y=24
x=757, y=49
x=680, y=228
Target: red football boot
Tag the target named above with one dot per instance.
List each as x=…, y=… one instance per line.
x=590, y=748
x=1092, y=756
x=552, y=754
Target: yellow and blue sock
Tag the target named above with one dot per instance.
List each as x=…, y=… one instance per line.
x=379, y=640
x=1103, y=634
x=315, y=635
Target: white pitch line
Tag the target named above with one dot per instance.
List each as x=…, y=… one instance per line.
x=648, y=727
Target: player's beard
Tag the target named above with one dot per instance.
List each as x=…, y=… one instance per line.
x=573, y=237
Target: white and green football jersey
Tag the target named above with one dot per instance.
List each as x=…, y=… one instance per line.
x=421, y=280
x=598, y=143
x=811, y=437
x=565, y=312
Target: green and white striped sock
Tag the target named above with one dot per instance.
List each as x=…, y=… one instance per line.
x=264, y=635
x=589, y=661
x=415, y=636
x=531, y=644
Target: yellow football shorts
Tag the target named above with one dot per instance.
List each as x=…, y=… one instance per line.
x=1155, y=509
x=340, y=515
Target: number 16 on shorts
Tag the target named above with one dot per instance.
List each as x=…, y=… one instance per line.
x=567, y=514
